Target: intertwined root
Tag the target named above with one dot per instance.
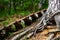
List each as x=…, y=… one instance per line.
x=57, y=20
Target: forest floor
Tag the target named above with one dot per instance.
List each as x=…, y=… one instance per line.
x=44, y=34
x=7, y=20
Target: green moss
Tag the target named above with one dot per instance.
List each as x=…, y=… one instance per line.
x=23, y=24
x=26, y=38
x=13, y=27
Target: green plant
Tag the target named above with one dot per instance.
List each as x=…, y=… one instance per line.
x=23, y=24
x=13, y=27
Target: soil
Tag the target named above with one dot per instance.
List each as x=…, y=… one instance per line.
x=44, y=34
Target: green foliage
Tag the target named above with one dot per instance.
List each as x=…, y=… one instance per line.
x=10, y=7
x=23, y=24
x=19, y=7
x=25, y=39
x=13, y=27
x=24, y=13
